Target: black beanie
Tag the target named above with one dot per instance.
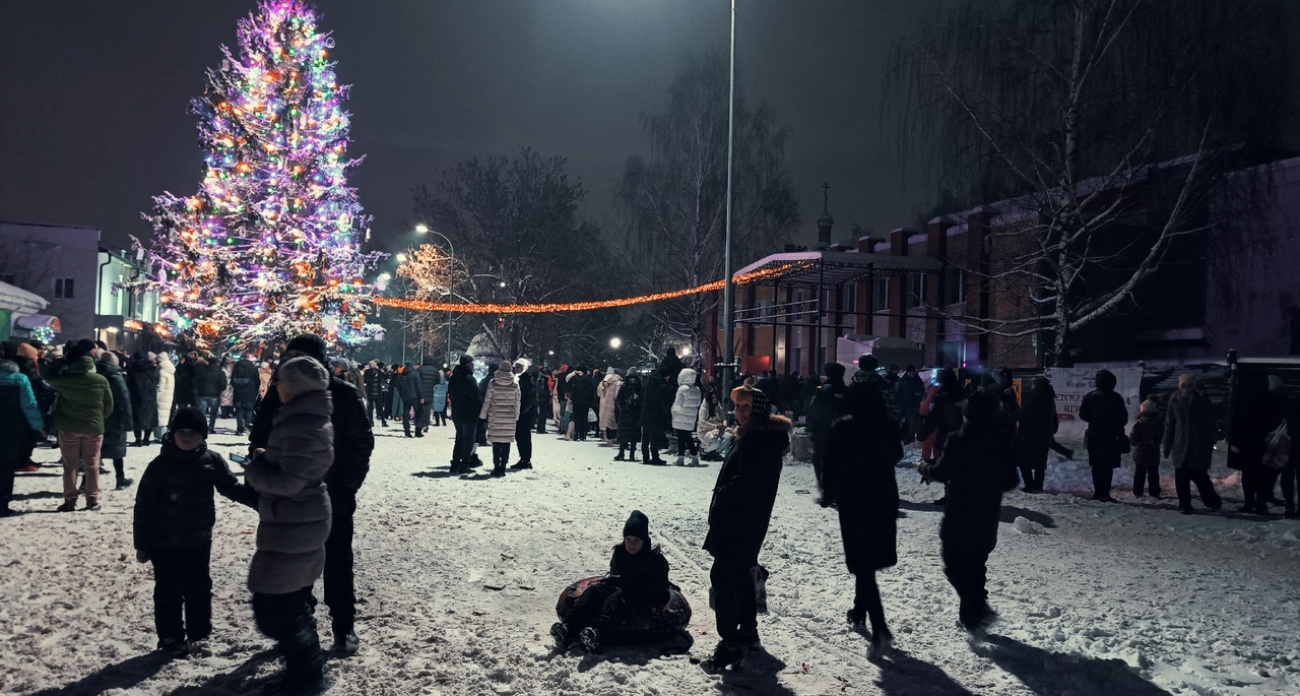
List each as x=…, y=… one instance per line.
x=638, y=525
x=189, y=418
x=310, y=345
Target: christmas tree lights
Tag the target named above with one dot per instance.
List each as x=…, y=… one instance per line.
x=270, y=244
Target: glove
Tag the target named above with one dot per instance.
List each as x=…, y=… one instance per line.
x=141, y=555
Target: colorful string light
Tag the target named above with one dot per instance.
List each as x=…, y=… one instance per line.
x=269, y=246
x=549, y=307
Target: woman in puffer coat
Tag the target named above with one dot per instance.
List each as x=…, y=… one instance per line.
x=686, y=408
x=166, y=390
x=501, y=410
x=607, y=394
x=293, y=520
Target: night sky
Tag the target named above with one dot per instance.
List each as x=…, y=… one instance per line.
x=93, y=97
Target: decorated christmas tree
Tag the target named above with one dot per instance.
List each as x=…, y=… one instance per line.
x=270, y=245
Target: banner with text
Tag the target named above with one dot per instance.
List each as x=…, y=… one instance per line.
x=1072, y=384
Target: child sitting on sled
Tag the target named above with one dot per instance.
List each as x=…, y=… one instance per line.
x=637, y=586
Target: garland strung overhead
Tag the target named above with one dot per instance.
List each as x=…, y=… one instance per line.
x=549, y=307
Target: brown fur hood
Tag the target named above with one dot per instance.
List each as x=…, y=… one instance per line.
x=773, y=423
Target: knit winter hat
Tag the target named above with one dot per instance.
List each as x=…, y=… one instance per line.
x=308, y=344
x=762, y=405
x=189, y=418
x=303, y=374
x=638, y=525
x=466, y=360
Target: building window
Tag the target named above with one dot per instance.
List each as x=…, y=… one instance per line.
x=915, y=290
x=7, y=278
x=880, y=294
x=64, y=288
x=954, y=285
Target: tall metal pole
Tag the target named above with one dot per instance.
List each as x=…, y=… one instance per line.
x=729, y=287
x=451, y=275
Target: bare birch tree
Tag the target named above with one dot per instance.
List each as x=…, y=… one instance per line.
x=1102, y=126
x=676, y=198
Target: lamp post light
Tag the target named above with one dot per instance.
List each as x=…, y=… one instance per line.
x=615, y=343
x=451, y=276
x=729, y=287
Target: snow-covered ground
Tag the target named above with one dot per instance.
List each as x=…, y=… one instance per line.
x=1128, y=599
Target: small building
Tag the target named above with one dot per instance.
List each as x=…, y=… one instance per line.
x=21, y=314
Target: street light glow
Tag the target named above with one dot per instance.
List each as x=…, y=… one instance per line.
x=401, y=258
x=616, y=343
x=422, y=228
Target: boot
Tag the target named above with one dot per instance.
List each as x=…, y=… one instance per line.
x=695, y=460
x=619, y=457
x=681, y=461
x=591, y=641
x=69, y=505
x=123, y=483
x=499, y=470
x=631, y=456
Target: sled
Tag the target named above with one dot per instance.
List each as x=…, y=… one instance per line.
x=667, y=622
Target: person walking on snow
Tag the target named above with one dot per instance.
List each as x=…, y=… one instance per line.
x=1189, y=443
x=117, y=423
x=1038, y=423
x=465, y=405
x=501, y=411
x=858, y=478
x=685, y=411
x=85, y=400
x=142, y=382
x=607, y=395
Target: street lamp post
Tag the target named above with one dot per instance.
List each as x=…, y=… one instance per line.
x=451, y=276
x=729, y=288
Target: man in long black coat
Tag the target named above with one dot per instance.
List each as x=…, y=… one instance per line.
x=430, y=378
x=656, y=401
x=739, y=515
x=246, y=383
x=142, y=382
x=1105, y=413
x=408, y=390
x=582, y=394
x=527, y=417
x=977, y=465
x=354, y=441
x=465, y=405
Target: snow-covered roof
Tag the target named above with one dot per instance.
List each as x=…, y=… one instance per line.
x=20, y=300
x=835, y=267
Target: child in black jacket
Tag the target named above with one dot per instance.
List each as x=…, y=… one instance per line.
x=174, y=515
x=637, y=583
x=1144, y=437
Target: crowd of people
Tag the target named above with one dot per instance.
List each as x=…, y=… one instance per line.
x=309, y=420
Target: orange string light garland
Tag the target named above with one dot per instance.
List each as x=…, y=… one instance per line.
x=548, y=307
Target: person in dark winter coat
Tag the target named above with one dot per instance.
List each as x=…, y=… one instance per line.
x=739, y=515
x=501, y=406
x=527, y=416
x=637, y=584
x=868, y=367
x=656, y=402
x=1105, y=413
x=1144, y=439
x=582, y=394
x=977, y=465
x=142, y=382
x=1256, y=413
x=408, y=388
x=377, y=395
x=911, y=390
x=117, y=423
x=294, y=518
x=246, y=384
x=209, y=382
x=174, y=515
x=861, y=450
x=943, y=417
x=671, y=365
x=465, y=405
x=19, y=412
x=353, y=443
x=1189, y=442
x=823, y=410
x=186, y=393
x=1038, y=423
x=542, y=397
x=628, y=407
x=430, y=378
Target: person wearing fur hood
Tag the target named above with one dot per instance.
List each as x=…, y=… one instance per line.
x=739, y=515
x=501, y=410
x=607, y=396
x=166, y=392
x=685, y=411
x=294, y=515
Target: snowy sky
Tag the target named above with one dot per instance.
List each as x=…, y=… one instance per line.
x=93, y=96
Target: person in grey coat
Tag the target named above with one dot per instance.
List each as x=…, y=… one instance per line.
x=501, y=411
x=1189, y=442
x=293, y=520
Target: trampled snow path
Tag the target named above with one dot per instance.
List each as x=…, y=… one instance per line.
x=1127, y=599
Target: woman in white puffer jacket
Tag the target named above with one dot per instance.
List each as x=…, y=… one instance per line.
x=686, y=408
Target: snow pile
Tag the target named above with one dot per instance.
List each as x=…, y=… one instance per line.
x=458, y=580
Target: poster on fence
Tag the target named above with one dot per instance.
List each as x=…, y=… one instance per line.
x=1072, y=384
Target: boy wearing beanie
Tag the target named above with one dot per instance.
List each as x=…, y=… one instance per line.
x=637, y=583
x=293, y=520
x=174, y=514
